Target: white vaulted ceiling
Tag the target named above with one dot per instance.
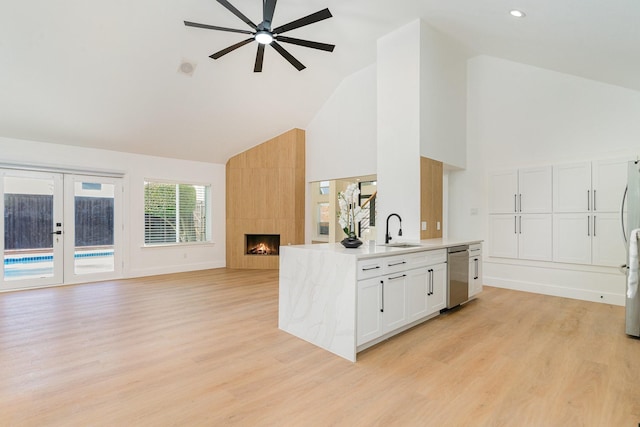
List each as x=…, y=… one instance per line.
x=105, y=74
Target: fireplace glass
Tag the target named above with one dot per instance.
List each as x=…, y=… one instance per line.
x=262, y=244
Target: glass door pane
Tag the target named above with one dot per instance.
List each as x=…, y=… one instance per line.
x=32, y=228
x=93, y=227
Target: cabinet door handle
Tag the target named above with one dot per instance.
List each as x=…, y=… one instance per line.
x=515, y=225
x=594, y=217
x=397, y=263
x=371, y=268
x=520, y=220
x=588, y=200
x=433, y=285
x=520, y=202
x=588, y=225
x=397, y=277
x=382, y=295
x=430, y=286
x=594, y=207
x=476, y=265
x=515, y=203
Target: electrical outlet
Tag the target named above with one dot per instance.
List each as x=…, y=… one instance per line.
x=438, y=225
x=424, y=225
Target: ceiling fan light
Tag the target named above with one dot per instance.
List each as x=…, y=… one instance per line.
x=263, y=37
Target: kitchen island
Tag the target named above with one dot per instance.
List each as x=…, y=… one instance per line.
x=346, y=300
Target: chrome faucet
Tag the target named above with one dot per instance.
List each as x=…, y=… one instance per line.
x=387, y=235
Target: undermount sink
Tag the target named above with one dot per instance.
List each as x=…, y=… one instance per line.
x=402, y=245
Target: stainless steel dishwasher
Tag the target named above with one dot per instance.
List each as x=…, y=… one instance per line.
x=458, y=272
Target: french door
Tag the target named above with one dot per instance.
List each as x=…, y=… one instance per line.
x=59, y=228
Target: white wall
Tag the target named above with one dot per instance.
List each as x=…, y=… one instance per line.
x=443, y=98
x=139, y=260
x=398, y=61
x=518, y=116
x=341, y=138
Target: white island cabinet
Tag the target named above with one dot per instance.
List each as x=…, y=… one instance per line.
x=345, y=300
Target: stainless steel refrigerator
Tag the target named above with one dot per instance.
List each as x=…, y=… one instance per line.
x=632, y=214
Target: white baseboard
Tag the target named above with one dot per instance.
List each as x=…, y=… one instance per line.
x=174, y=269
x=554, y=290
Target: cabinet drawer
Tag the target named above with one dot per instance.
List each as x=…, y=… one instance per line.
x=475, y=250
x=395, y=263
x=436, y=257
x=370, y=268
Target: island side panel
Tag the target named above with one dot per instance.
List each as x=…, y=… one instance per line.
x=318, y=298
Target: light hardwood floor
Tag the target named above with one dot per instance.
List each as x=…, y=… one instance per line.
x=203, y=348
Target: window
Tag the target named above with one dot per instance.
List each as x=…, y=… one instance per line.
x=176, y=213
x=324, y=187
x=323, y=219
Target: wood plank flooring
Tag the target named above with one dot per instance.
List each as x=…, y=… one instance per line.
x=204, y=349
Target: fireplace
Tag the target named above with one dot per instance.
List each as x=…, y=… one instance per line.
x=262, y=244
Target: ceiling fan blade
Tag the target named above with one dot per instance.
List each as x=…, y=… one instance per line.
x=230, y=49
x=307, y=43
x=213, y=27
x=239, y=14
x=288, y=56
x=309, y=19
x=259, y=57
x=268, y=7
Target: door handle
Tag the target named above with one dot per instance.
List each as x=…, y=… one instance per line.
x=382, y=295
x=520, y=202
x=56, y=232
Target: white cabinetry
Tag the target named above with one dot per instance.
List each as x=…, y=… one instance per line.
x=437, y=281
x=475, y=269
x=520, y=203
x=369, y=306
x=587, y=200
x=521, y=191
x=394, y=302
x=395, y=291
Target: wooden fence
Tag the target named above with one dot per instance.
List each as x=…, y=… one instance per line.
x=28, y=221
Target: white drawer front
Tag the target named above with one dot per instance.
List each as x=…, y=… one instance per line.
x=395, y=263
x=436, y=257
x=370, y=268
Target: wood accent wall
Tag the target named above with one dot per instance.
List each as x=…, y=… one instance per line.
x=265, y=195
x=430, y=197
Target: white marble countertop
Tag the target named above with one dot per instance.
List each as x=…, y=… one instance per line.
x=372, y=248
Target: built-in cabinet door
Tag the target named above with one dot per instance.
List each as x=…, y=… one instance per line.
x=503, y=190
x=572, y=238
x=503, y=236
x=475, y=275
x=394, y=302
x=535, y=237
x=608, y=246
x=572, y=188
x=535, y=190
x=609, y=181
x=369, y=325
x=418, y=286
x=437, y=299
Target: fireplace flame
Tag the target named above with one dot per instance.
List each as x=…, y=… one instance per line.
x=262, y=249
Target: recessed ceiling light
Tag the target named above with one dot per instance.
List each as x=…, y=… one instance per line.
x=517, y=13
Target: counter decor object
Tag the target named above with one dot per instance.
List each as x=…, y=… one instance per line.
x=350, y=214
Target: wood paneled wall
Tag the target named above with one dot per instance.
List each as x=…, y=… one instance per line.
x=265, y=195
x=430, y=197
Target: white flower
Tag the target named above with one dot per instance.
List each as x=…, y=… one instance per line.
x=350, y=211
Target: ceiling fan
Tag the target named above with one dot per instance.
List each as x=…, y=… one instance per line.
x=264, y=34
